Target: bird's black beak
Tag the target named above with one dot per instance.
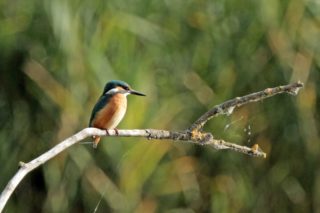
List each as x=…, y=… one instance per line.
x=133, y=92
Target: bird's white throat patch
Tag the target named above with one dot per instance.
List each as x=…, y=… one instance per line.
x=117, y=90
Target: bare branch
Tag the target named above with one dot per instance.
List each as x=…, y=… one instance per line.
x=192, y=135
x=228, y=106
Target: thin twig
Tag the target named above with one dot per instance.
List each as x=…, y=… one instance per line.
x=192, y=135
x=228, y=106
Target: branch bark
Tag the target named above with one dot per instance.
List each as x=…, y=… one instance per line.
x=192, y=135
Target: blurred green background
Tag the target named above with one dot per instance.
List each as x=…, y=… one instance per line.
x=186, y=56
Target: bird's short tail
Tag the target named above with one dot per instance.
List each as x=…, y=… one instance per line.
x=96, y=140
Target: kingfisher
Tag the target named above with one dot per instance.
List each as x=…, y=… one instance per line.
x=111, y=107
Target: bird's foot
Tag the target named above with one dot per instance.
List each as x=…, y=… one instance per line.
x=107, y=132
x=116, y=130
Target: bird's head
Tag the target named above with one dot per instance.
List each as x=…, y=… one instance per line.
x=119, y=87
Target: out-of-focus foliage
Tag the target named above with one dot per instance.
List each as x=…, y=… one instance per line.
x=186, y=56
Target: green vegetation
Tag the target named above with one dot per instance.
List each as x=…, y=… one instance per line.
x=186, y=56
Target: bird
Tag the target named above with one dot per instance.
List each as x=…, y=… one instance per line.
x=111, y=107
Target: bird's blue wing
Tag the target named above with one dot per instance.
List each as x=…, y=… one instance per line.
x=103, y=100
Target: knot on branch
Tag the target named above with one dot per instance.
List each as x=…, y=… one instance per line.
x=22, y=164
x=201, y=137
x=149, y=135
x=256, y=151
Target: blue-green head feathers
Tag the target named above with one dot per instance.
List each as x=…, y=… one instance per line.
x=115, y=83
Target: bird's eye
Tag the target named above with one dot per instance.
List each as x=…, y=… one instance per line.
x=126, y=88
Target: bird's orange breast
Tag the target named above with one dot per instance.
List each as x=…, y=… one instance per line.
x=110, y=116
